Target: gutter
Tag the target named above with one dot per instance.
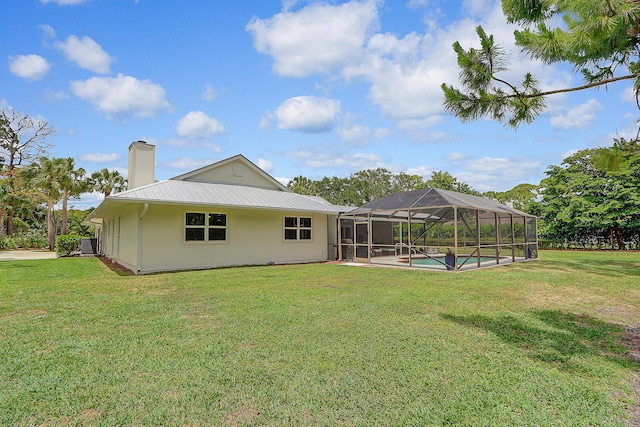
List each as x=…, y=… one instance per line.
x=139, y=257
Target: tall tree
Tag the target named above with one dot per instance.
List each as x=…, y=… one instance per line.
x=4, y=204
x=581, y=200
x=521, y=197
x=44, y=175
x=405, y=182
x=371, y=184
x=107, y=182
x=446, y=181
x=72, y=184
x=4, y=196
x=302, y=185
x=599, y=39
x=22, y=139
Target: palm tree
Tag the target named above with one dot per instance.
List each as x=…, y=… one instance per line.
x=4, y=204
x=72, y=184
x=4, y=196
x=44, y=175
x=107, y=182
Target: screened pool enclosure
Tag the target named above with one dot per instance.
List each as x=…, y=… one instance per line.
x=437, y=229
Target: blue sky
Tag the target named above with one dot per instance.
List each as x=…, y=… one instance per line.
x=299, y=87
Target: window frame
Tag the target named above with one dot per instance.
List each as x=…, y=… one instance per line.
x=303, y=227
x=206, y=227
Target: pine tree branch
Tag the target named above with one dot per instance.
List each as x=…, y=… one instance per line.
x=573, y=89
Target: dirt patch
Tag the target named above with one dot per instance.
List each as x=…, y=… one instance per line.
x=245, y=415
x=115, y=267
x=632, y=341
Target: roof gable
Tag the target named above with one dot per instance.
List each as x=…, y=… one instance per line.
x=236, y=170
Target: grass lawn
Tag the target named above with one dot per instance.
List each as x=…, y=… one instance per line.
x=531, y=344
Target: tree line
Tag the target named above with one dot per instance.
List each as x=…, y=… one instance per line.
x=30, y=179
x=591, y=200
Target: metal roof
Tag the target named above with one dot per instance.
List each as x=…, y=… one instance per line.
x=432, y=198
x=220, y=194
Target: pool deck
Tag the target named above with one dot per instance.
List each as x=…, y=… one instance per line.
x=393, y=261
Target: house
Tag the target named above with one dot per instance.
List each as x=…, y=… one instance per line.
x=228, y=213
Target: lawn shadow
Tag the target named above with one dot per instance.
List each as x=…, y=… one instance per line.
x=566, y=335
x=115, y=267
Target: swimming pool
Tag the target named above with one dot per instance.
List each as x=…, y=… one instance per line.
x=440, y=261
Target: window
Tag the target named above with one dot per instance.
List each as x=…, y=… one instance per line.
x=297, y=228
x=201, y=227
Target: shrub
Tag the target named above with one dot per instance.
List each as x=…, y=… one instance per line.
x=30, y=239
x=66, y=245
x=20, y=226
x=33, y=239
x=8, y=242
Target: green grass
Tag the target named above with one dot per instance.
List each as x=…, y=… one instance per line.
x=528, y=344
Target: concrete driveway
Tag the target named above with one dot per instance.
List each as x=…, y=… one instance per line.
x=26, y=254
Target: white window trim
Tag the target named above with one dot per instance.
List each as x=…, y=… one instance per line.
x=297, y=228
x=206, y=227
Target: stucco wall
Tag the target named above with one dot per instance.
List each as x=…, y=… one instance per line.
x=119, y=240
x=253, y=237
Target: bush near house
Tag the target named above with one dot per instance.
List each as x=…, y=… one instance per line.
x=67, y=245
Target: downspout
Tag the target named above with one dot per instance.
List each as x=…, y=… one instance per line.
x=140, y=216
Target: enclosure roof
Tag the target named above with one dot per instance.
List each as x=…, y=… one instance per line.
x=431, y=198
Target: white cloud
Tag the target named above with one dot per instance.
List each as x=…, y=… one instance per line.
x=100, y=157
x=628, y=95
x=86, y=53
x=63, y=2
x=282, y=180
x=32, y=67
x=322, y=158
x=417, y=128
x=414, y=4
x=382, y=133
x=494, y=173
x=307, y=114
x=86, y=201
x=209, y=93
x=122, y=97
x=477, y=7
x=265, y=165
x=265, y=121
x=52, y=95
x=578, y=117
x=354, y=134
x=48, y=31
x=423, y=171
x=197, y=124
x=319, y=38
x=455, y=157
x=185, y=143
x=404, y=72
x=187, y=163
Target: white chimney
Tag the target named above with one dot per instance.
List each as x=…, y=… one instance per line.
x=142, y=159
